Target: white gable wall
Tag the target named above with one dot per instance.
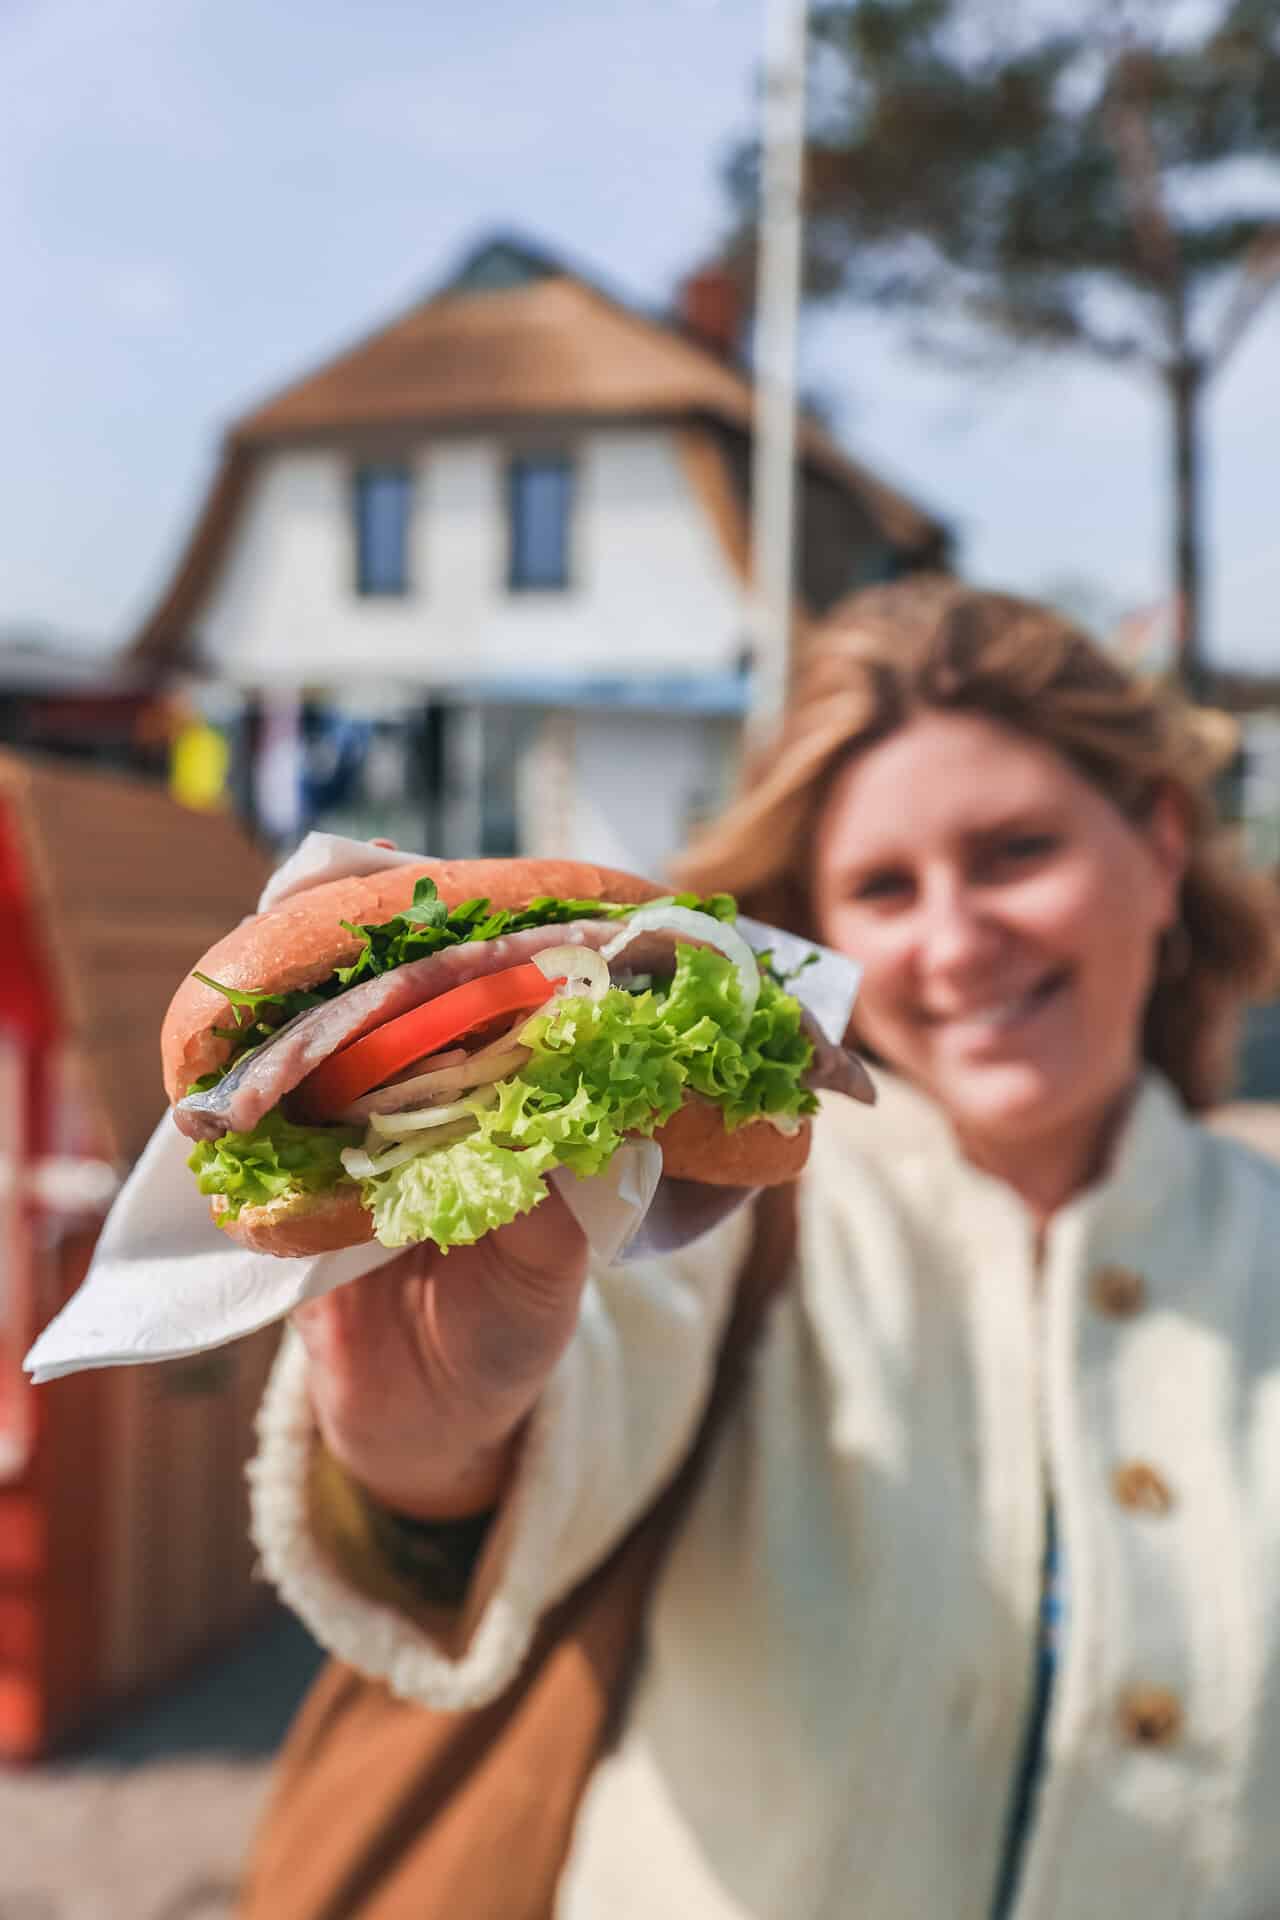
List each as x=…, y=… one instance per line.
x=624, y=789
x=651, y=591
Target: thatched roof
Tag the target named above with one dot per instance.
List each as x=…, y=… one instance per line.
x=538, y=344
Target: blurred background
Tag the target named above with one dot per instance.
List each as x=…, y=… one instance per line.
x=448, y=423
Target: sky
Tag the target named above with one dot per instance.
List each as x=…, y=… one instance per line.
x=201, y=198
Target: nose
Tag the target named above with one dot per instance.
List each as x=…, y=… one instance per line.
x=957, y=936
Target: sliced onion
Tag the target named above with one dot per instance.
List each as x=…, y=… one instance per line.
x=504, y=1040
x=402, y=1092
x=473, y=1073
x=694, y=926
x=393, y=1125
x=582, y=969
x=468, y=1070
x=448, y=1058
x=363, y=1166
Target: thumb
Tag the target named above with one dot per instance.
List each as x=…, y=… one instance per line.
x=540, y=1252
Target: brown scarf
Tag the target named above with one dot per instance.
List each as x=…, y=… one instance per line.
x=383, y=1809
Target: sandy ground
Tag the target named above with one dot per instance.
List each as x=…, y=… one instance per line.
x=150, y=1820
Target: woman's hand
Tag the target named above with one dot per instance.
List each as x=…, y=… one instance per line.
x=422, y=1372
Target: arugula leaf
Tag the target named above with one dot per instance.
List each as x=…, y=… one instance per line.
x=249, y=1034
x=769, y=966
x=426, y=926
x=241, y=999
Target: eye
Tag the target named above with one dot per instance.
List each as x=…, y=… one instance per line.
x=1024, y=849
x=885, y=886
x=1030, y=846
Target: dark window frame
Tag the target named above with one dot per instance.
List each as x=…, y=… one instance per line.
x=369, y=584
x=521, y=576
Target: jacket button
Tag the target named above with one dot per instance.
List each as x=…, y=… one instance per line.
x=1150, y=1716
x=1118, y=1291
x=1139, y=1487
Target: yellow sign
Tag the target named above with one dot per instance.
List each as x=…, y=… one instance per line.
x=199, y=763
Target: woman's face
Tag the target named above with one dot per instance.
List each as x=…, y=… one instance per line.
x=1007, y=917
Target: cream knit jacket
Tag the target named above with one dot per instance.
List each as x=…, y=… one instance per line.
x=831, y=1711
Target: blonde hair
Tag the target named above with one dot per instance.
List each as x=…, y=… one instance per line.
x=933, y=643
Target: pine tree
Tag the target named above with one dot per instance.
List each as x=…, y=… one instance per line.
x=1098, y=183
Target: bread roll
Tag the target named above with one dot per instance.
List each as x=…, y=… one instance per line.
x=299, y=943
x=695, y=1146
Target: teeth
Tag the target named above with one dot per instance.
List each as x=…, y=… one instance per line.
x=1003, y=1012
x=992, y=1016
x=1009, y=1010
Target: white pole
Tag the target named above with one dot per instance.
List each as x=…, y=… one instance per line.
x=777, y=310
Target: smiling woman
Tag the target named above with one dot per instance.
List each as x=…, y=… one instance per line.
x=1007, y=916
x=1007, y=1457
x=949, y=748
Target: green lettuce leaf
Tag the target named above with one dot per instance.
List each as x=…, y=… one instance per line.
x=455, y=1195
x=617, y=1052
x=748, y=1067
x=277, y=1158
x=600, y=1070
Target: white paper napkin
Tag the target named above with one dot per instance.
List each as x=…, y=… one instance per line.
x=164, y=1281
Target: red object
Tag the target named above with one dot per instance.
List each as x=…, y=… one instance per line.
x=411, y=1036
x=28, y=1031
x=26, y=1000
x=124, y=1549
x=29, y=1613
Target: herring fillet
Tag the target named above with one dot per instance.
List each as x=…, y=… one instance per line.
x=261, y=1080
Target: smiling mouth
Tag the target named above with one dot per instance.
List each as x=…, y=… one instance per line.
x=1003, y=1015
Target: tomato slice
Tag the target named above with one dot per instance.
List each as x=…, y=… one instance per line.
x=376, y=1056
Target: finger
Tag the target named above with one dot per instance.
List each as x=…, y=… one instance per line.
x=546, y=1244
x=339, y=1322
x=390, y=844
x=862, y=1087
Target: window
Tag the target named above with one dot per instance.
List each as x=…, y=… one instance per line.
x=540, y=494
x=382, y=501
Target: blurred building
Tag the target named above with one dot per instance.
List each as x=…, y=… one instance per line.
x=1251, y=704
x=56, y=698
x=481, y=582
x=1252, y=802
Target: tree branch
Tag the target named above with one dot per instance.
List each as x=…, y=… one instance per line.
x=1127, y=120
x=1259, y=277
x=1058, y=325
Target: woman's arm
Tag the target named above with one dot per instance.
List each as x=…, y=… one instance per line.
x=591, y=1421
